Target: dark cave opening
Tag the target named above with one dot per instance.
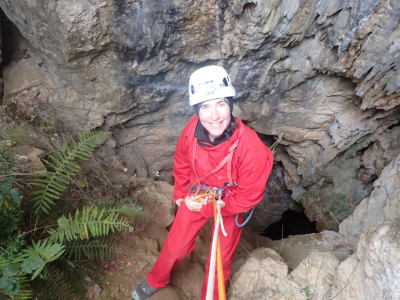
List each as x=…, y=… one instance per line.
x=291, y=223
x=13, y=45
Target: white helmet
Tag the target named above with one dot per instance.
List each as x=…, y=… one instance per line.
x=209, y=83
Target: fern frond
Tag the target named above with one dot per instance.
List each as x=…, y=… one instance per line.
x=13, y=283
x=88, y=266
x=89, y=222
x=22, y=289
x=96, y=249
x=52, y=184
x=57, y=287
x=39, y=254
x=3, y=262
x=135, y=213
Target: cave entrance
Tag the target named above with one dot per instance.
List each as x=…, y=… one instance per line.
x=292, y=223
x=13, y=45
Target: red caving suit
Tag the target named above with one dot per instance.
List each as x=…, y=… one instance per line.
x=251, y=165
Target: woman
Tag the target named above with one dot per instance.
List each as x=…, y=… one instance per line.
x=214, y=150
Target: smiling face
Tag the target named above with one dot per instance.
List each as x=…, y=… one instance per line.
x=215, y=116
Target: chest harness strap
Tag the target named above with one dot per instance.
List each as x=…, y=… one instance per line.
x=197, y=185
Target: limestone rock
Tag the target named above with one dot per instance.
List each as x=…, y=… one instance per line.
x=28, y=159
x=166, y=293
x=315, y=274
x=383, y=205
x=93, y=292
x=189, y=278
x=275, y=201
x=22, y=75
x=296, y=248
x=156, y=199
x=264, y=275
x=373, y=271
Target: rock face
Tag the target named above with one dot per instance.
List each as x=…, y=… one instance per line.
x=382, y=206
x=295, y=249
x=359, y=262
x=266, y=276
x=276, y=200
x=373, y=271
x=324, y=75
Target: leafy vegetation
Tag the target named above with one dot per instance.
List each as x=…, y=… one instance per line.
x=54, y=244
x=62, y=167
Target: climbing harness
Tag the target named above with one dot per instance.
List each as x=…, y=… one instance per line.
x=206, y=195
x=197, y=186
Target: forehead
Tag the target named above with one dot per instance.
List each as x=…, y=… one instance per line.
x=214, y=101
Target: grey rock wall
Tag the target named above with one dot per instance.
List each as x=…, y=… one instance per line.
x=372, y=272
x=382, y=205
x=321, y=74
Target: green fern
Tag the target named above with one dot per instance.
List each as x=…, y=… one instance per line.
x=96, y=249
x=39, y=254
x=134, y=212
x=3, y=262
x=87, y=223
x=13, y=282
x=20, y=287
x=87, y=266
x=56, y=285
x=63, y=167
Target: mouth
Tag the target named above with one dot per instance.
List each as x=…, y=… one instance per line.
x=216, y=125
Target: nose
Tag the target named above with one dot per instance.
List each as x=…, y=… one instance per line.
x=214, y=114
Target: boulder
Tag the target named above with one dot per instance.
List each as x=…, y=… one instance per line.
x=264, y=275
x=296, y=248
x=373, y=271
x=383, y=204
x=316, y=274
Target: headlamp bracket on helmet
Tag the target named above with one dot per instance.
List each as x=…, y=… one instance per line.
x=208, y=87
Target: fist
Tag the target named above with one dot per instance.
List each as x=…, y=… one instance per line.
x=192, y=204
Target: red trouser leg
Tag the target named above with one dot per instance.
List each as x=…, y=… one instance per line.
x=228, y=246
x=179, y=243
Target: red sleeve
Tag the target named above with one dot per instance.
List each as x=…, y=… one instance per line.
x=253, y=169
x=182, y=169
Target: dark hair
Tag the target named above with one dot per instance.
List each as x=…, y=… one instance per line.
x=232, y=126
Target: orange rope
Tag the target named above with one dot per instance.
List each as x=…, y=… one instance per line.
x=202, y=197
x=220, y=270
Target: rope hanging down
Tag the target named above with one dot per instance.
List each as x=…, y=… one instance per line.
x=216, y=254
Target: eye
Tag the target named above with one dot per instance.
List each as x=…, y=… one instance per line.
x=204, y=107
x=222, y=104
